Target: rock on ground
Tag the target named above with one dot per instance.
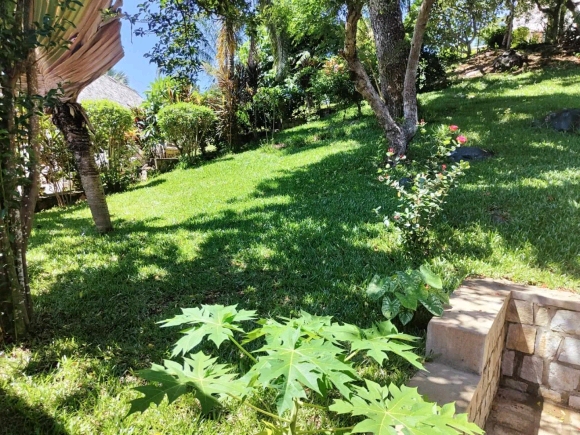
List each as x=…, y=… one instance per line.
x=509, y=60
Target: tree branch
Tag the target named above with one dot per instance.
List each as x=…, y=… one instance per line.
x=410, y=89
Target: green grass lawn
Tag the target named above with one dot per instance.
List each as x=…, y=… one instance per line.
x=279, y=231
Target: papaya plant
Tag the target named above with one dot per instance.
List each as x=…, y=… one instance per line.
x=299, y=358
x=403, y=292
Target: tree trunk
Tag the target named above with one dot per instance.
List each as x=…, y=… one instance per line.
x=399, y=134
x=561, y=23
x=392, y=50
x=410, y=89
x=15, y=301
x=554, y=24
x=362, y=82
x=31, y=190
x=71, y=120
x=507, y=39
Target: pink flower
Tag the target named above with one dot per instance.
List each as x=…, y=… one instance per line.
x=397, y=217
x=461, y=139
x=444, y=167
x=392, y=150
x=453, y=128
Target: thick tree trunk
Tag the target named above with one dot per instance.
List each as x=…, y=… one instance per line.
x=392, y=51
x=362, y=82
x=71, y=120
x=399, y=134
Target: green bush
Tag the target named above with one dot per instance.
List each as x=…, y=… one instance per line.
x=423, y=189
x=112, y=125
x=56, y=160
x=493, y=36
x=187, y=126
x=520, y=36
x=332, y=84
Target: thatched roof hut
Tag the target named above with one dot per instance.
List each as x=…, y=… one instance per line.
x=107, y=88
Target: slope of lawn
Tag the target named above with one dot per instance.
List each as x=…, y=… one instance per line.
x=280, y=230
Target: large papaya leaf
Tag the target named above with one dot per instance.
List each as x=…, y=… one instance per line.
x=214, y=321
x=383, y=338
x=286, y=369
x=294, y=361
x=392, y=410
x=200, y=374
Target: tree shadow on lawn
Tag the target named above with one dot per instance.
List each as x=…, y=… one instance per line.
x=17, y=417
x=310, y=253
x=527, y=193
x=157, y=181
x=314, y=249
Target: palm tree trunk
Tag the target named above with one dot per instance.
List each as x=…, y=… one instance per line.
x=72, y=122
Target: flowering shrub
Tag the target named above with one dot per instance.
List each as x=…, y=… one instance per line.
x=423, y=194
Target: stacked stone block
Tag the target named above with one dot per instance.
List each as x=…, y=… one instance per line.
x=480, y=405
x=542, y=352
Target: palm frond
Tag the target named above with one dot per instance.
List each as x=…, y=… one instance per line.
x=88, y=45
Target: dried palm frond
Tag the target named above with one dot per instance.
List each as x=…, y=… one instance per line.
x=87, y=44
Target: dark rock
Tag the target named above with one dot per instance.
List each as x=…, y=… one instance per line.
x=469, y=153
x=564, y=120
x=509, y=60
x=405, y=182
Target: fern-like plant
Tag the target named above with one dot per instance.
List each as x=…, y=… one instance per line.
x=299, y=358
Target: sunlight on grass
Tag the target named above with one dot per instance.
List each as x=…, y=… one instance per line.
x=280, y=230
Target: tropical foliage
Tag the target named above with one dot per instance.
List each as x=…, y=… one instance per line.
x=116, y=150
x=403, y=292
x=299, y=359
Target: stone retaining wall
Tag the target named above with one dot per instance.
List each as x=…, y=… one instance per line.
x=542, y=352
x=480, y=405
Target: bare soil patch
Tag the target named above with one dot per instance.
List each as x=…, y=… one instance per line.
x=539, y=57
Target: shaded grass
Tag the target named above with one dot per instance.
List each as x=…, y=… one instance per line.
x=280, y=230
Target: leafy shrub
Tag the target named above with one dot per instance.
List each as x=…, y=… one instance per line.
x=403, y=292
x=112, y=124
x=301, y=357
x=56, y=160
x=520, y=36
x=422, y=194
x=187, y=126
x=332, y=85
x=493, y=36
x=431, y=74
x=269, y=104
